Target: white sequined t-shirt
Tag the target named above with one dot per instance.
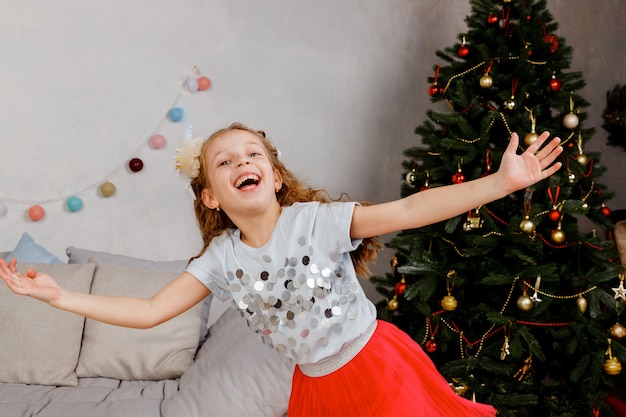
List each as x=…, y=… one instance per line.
x=299, y=291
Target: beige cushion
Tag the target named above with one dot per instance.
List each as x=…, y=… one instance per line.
x=620, y=240
x=39, y=344
x=163, y=352
x=234, y=375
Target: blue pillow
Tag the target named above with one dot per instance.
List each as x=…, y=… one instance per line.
x=29, y=251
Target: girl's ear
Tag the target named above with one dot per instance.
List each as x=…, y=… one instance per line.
x=209, y=200
x=278, y=181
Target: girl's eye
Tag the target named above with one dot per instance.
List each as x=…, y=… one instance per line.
x=254, y=154
x=224, y=163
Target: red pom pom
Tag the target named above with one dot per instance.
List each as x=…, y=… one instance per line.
x=203, y=83
x=135, y=164
x=36, y=213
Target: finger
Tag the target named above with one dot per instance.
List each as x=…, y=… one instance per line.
x=550, y=152
x=513, y=143
x=13, y=265
x=534, y=147
x=551, y=170
x=4, y=268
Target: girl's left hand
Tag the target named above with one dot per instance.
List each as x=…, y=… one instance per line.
x=533, y=165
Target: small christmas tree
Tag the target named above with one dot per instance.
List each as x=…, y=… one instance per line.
x=515, y=304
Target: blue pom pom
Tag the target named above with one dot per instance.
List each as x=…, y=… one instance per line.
x=175, y=114
x=74, y=204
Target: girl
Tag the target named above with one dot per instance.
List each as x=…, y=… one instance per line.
x=288, y=258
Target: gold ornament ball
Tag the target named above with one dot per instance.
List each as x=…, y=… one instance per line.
x=571, y=177
x=618, y=331
x=530, y=138
x=410, y=178
x=510, y=105
x=524, y=302
x=527, y=226
x=393, y=304
x=107, y=189
x=557, y=236
x=612, y=366
x=570, y=121
x=581, y=302
x=448, y=303
x=486, y=81
x=582, y=159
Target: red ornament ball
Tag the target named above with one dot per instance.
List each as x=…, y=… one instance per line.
x=552, y=42
x=434, y=90
x=555, y=85
x=430, y=346
x=135, y=164
x=554, y=215
x=605, y=211
x=458, y=178
x=399, y=288
x=493, y=18
x=36, y=213
x=463, y=51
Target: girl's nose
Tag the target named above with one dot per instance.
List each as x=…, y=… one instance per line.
x=243, y=161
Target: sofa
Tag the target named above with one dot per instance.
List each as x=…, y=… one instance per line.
x=205, y=362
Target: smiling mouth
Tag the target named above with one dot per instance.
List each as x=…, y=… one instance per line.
x=247, y=180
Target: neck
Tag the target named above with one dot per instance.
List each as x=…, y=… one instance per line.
x=256, y=230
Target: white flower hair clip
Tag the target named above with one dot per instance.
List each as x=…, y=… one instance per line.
x=187, y=161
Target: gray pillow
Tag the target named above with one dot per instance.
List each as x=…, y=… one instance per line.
x=234, y=375
x=163, y=352
x=81, y=256
x=39, y=344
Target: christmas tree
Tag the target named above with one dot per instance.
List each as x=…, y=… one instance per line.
x=517, y=306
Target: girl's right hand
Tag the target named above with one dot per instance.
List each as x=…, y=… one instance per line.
x=33, y=284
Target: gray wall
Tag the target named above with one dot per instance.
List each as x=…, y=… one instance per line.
x=339, y=86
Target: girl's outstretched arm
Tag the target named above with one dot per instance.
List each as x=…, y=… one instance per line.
x=175, y=298
x=441, y=203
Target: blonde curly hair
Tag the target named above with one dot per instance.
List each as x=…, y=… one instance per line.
x=213, y=223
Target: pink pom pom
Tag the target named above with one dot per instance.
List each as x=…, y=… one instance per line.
x=157, y=141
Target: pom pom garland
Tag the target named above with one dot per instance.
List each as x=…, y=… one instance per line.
x=73, y=203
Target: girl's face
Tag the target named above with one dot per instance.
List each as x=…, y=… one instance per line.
x=240, y=174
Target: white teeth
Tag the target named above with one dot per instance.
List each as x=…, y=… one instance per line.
x=246, y=179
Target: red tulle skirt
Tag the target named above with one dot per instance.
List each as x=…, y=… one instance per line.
x=390, y=377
